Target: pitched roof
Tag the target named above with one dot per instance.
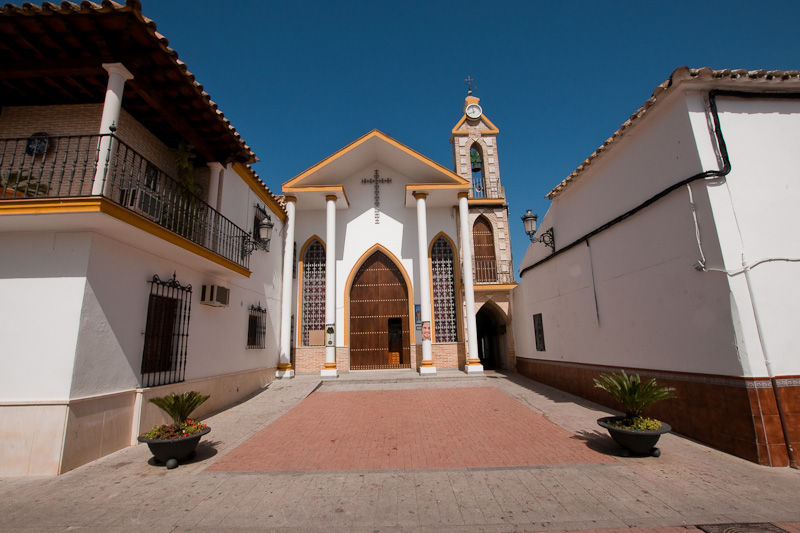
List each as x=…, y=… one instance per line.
x=53, y=54
x=741, y=79
x=375, y=145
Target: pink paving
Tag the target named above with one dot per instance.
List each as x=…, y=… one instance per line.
x=472, y=427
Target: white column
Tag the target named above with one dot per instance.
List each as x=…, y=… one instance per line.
x=427, y=366
x=330, y=288
x=473, y=361
x=285, y=369
x=117, y=76
x=212, y=233
x=213, y=183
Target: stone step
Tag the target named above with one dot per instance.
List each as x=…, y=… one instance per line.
x=355, y=377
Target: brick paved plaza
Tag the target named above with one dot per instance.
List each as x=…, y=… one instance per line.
x=499, y=454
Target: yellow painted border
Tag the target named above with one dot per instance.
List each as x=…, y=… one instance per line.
x=319, y=188
x=299, y=315
x=492, y=128
x=292, y=183
x=366, y=255
x=435, y=186
x=257, y=186
x=486, y=201
x=106, y=206
x=457, y=288
x=38, y=206
x=497, y=287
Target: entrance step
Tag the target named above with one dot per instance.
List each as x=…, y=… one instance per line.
x=355, y=377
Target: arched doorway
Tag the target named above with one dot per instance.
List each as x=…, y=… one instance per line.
x=491, y=326
x=379, y=319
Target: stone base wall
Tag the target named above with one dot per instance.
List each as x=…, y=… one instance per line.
x=50, y=438
x=733, y=414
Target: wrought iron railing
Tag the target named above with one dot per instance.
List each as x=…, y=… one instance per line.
x=489, y=271
x=67, y=166
x=485, y=271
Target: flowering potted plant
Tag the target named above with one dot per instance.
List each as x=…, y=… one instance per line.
x=635, y=433
x=172, y=443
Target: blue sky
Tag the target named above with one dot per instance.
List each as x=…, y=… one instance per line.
x=301, y=79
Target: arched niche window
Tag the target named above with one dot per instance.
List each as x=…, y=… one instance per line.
x=444, y=291
x=483, y=240
x=478, y=166
x=313, y=306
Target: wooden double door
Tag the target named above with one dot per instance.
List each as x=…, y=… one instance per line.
x=379, y=318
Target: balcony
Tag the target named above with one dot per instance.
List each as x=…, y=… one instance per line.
x=485, y=271
x=67, y=167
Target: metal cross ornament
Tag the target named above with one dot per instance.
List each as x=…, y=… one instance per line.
x=377, y=180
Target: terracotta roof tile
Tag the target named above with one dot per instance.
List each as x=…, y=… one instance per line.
x=741, y=79
x=134, y=7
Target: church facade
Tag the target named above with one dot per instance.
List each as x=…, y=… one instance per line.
x=377, y=239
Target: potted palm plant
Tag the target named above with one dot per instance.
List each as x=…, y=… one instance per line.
x=635, y=433
x=172, y=443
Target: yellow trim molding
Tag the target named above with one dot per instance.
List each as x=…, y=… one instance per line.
x=293, y=183
x=495, y=287
x=257, y=186
x=299, y=317
x=106, y=206
x=486, y=201
x=327, y=189
x=483, y=118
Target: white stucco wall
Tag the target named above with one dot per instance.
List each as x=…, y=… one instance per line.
x=655, y=310
x=357, y=232
x=755, y=209
x=42, y=280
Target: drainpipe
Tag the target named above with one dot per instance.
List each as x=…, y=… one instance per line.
x=775, y=389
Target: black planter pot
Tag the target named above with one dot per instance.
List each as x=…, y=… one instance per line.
x=632, y=441
x=179, y=449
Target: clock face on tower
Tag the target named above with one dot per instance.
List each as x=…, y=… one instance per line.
x=474, y=111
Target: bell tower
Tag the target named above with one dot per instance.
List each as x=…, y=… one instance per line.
x=475, y=158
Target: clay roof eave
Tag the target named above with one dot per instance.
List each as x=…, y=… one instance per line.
x=740, y=79
x=54, y=54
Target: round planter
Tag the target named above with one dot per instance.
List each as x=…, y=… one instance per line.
x=636, y=442
x=179, y=449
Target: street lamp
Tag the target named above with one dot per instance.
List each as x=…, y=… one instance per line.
x=529, y=220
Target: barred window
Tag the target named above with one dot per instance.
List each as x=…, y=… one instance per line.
x=166, y=332
x=313, y=317
x=257, y=327
x=444, y=291
x=538, y=332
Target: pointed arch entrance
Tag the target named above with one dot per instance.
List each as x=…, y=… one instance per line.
x=492, y=345
x=379, y=316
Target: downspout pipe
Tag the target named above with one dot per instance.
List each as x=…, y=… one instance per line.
x=724, y=171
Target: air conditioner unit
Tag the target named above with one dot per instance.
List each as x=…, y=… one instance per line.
x=215, y=295
x=142, y=201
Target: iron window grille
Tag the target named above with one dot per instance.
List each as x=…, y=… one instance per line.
x=538, y=331
x=257, y=327
x=166, y=333
x=313, y=317
x=444, y=292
